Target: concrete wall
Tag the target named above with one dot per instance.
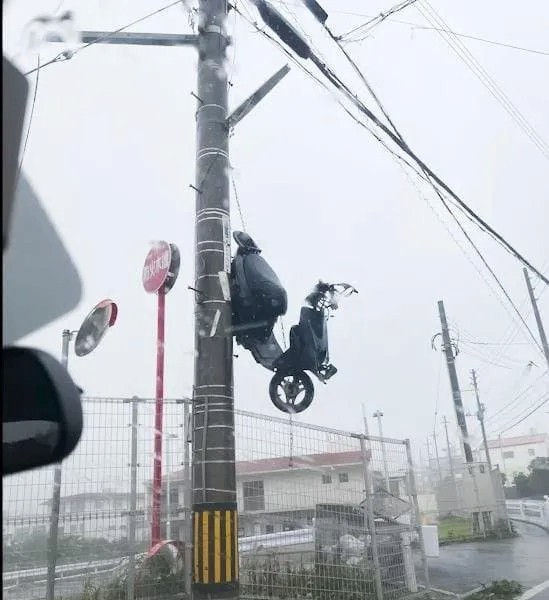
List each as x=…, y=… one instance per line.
x=522, y=457
x=303, y=489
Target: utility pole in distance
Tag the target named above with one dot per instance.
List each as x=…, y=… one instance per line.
x=451, y=462
x=480, y=416
x=456, y=393
x=539, y=322
x=378, y=415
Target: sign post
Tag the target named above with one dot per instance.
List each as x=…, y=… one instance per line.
x=91, y=332
x=159, y=275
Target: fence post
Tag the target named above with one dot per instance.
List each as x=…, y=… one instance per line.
x=133, y=502
x=53, y=537
x=413, y=492
x=187, y=497
x=370, y=519
x=409, y=570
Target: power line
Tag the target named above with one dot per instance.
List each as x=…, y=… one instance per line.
x=415, y=26
x=237, y=200
x=485, y=360
x=381, y=17
x=529, y=414
x=336, y=81
x=494, y=343
x=405, y=147
x=487, y=41
x=329, y=90
x=459, y=245
x=68, y=54
x=30, y=118
x=397, y=138
x=341, y=86
x=442, y=27
x=512, y=332
x=516, y=398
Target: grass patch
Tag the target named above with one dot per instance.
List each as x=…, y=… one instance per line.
x=455, y=528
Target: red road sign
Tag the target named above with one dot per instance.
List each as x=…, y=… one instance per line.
x=157, y=267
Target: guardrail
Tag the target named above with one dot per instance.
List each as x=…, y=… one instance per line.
x=535, y=512
x=62, y=571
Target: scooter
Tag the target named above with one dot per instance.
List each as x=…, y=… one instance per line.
x=258, y=300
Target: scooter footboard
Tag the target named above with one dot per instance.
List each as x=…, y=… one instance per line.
x=265, y=352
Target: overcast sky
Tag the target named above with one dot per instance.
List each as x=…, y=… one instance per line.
x=111, y=155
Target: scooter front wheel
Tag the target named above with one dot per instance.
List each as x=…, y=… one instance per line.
x=291, y=392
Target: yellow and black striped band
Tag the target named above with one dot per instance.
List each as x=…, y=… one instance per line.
x=215, y=544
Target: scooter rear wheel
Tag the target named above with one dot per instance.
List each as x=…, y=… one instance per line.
x=291, y=392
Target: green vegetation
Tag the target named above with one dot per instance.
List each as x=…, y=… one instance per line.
x=460, y=529
x=451, y=529
x=498, y=590
x=536, y=481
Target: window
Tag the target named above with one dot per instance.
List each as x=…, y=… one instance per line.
x=326, y=478
x=174, y=498
x=394, y=487
x=509, y=454
x=269, y=528
x=481, y=468
x=344, y=478
x=531, y=452
x=254, y=495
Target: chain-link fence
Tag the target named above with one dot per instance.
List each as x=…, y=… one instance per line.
x=322, y=513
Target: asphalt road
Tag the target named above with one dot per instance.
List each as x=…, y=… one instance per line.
x=462, y=567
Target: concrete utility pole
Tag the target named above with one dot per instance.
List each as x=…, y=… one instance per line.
x=215, y=526
x=456, y=393
x=449, y=450
x=480, y=417
x=378, y=415
x=539, y=322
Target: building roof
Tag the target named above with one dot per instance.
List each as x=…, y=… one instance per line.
x=520, y=440
x=95, y=496
x=287, y=463
x=310, y=461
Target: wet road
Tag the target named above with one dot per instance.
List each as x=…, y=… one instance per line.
x=462, y=567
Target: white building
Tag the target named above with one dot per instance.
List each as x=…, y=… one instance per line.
x=281, y=493
x=514, y=454
x=100, y=515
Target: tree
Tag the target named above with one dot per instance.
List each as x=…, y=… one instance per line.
x=536, y=482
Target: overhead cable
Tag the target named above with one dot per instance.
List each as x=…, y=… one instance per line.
x=516, y=398
x=397, y=138
x=380, y=18
x=31, y=116
x=306, y=52
x=359, y=72
x=444, y=30
x=487, y=41
x=68, y=54
x=529, y=414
